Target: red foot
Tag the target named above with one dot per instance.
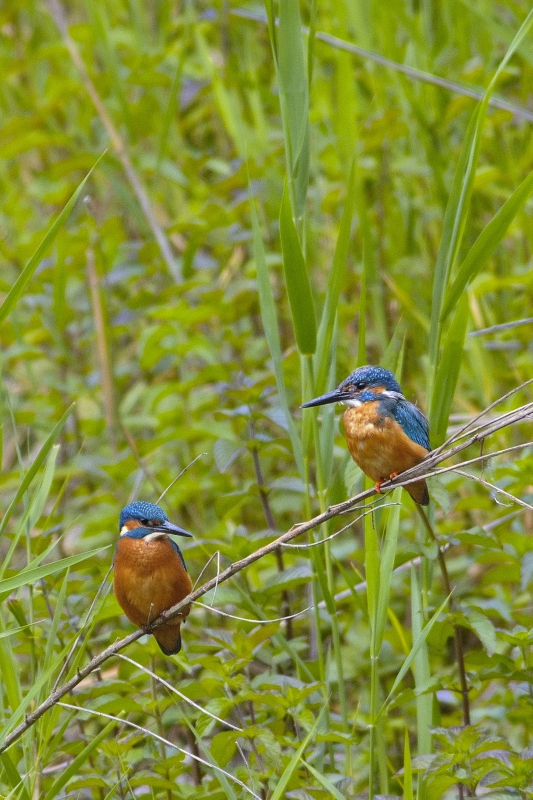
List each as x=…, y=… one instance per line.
x=378, y=485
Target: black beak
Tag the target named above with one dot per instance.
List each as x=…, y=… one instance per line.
x=336, y=396
x=169, y=527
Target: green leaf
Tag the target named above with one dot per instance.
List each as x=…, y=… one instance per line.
x=74, y=767
x=279, y=791
x=386, y=567
x=458, y=202
x=225, y=452
x=327, y=784
x=486, y=243
x=483, y=628
x=294, y=101
x=407, y=769
x=335, y=283
x=372, y=575
x=26, y=274
x=27, y=576
x=270, y=326
x=297, y=281
x=448, y=373
x=30, y=474
x=418, y=643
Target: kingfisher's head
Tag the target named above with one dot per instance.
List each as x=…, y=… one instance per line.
x=360, y=387
x=147, y=519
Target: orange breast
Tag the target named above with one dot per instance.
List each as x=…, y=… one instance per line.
x=149, y=578
x=380, y=446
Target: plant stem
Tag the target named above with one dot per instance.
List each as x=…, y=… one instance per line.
x=459, y=653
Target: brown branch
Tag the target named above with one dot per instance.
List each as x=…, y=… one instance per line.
x=423, y=470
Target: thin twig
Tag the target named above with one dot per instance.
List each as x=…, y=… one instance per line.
x=183, y=471
x=147, y=731
x=173, y=689
x=423, y=470
x=248, y=619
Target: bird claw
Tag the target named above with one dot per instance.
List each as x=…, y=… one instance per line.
x=379, y=484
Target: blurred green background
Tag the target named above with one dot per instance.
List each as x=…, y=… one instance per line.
x=148, y=311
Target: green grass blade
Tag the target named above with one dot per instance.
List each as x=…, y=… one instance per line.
x=26, y=576
x=421, y=667
x=335, y=284
x=448, y=373
x=23, y=279
x=418, y=643
x=294, y=100
x=279, y=791
x=39, y=499
x=327, y=784
x=72, y=770
x=14, y=777
x=270, y=326
x=30, y=474
x=34, y=691
x=386, y=567
x=297, y=281
x=486, y=243
x=10, y=671
x=372, y=573
x=452, y=228
x=407, y=769
x=56, y=620
x=457, y=207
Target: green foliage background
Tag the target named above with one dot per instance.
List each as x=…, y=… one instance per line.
x=183, y=327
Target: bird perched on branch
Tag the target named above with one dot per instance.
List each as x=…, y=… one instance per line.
x=385, y=433
x=150, y=573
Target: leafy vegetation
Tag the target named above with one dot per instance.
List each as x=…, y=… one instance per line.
x=266, y=208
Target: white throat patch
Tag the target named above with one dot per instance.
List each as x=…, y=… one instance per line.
x=352, y=403
x=151, y=537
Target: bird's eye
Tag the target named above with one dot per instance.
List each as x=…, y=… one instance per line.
x=145, y=522
x=360, y=385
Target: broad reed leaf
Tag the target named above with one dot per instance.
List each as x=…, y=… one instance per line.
x=27, y=576
x=14, y=777
x=420, y=662
x=74, y=767
x=294, y=100
x=372, y=575
x=459, y=200
x=334, y=287
x=279, y=791
x=297, y=281
x=270, y=326
x=36, y=465
x=486, y=243
x=386, y=566
x=419, y=641
x=407, y=769
x=23, y=279
x=448, y=372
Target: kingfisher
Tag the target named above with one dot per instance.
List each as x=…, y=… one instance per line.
x=385, y=433
x=150, y=572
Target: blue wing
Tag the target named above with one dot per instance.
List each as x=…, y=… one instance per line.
x=413, y=422
x=178, y=551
